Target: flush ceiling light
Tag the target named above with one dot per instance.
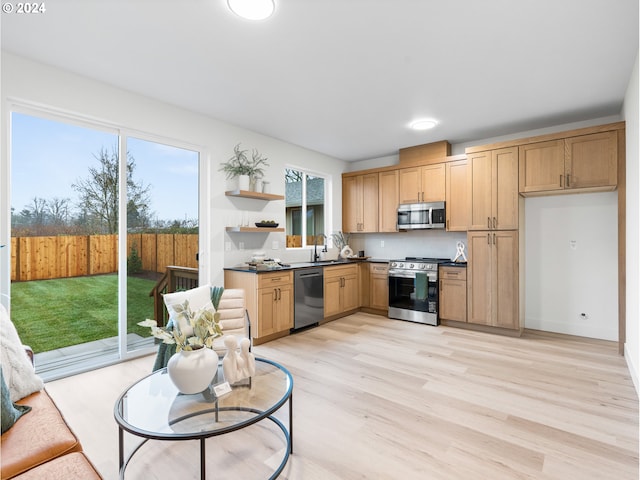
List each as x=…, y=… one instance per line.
x=252, y=9
x=424, y=124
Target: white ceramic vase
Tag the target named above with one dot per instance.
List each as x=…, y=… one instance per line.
x=243, y=182
x=193, y=370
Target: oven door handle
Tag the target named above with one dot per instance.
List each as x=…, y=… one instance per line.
x=402, y=275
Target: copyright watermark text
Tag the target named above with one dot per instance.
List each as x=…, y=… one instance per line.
x=27, y=8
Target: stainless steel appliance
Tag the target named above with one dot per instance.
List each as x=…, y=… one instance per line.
x=415, y=216
x=413, y=289
x=308, y=290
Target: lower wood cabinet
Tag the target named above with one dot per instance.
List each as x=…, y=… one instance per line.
x=269, y=300
x=493, y=279
x=341, y=292
x=379, y=286
x=453, y=294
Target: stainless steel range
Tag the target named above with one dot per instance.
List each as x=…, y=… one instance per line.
x=413, y=289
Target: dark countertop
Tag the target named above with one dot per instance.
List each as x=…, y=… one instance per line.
x=298, y=265
x=454, y=264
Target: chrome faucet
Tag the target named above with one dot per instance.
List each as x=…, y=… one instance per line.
x=316, y=257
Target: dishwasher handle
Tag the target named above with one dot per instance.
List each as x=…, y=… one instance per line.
x=310, y=274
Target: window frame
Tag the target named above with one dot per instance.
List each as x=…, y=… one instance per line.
x=327, y=220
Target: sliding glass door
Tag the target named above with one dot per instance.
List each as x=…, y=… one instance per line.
x=162, y=227
x=93, y=230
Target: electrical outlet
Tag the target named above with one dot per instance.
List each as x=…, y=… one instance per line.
x=275, y=245
x=382, y=243
x=241, y=245
x=572, y=244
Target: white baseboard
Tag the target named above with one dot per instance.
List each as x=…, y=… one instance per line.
x=633, y=369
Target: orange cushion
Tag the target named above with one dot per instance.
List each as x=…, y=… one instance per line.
x=37, y=437
x=72, y=466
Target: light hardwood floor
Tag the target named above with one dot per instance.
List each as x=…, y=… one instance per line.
x=383, y=399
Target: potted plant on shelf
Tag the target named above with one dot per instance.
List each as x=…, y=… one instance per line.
x=246, y=170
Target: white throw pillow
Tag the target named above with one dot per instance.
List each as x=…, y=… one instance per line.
x=17, y=369
x=199, y=297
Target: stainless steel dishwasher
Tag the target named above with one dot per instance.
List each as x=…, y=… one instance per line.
x=308, y=290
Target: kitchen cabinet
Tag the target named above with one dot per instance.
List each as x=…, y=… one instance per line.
x=360, y=203
x=425, y=154
x=456, y=196
x=379, y=286
x=493, y=279
x=275, y=303
x=493, y=189
x=541, y=166
x=341, y=293
x=388, y=195
x=422, y=184
x=269, y=300
x=588, y=162
x=453, y=294
x=591, y=161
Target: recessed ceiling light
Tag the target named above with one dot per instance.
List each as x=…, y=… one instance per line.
x=424, y=124
x=252, y=9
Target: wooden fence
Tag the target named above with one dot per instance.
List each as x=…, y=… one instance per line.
x=42, y=258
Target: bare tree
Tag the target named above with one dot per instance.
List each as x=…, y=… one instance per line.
x=99, y=191
x=38, y=211
x=58, y=210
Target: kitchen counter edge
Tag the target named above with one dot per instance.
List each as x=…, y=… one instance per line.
x=299, y=265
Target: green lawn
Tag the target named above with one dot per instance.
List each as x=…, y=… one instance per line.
x=51, y=314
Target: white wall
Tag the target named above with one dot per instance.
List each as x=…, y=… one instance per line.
x=35, y=83
x=571, y=264
x=630, y=113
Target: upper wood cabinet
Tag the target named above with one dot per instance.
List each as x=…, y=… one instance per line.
x=456, y=196
x=588, y=162
x=388, y=195
x=493, y=189
x=360, y=203
x=425, y=154
x=591, y=161
x=422, y=184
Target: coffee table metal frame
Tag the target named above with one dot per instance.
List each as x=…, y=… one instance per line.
x=202, y=436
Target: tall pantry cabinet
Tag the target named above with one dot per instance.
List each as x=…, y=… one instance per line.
x=492, y=239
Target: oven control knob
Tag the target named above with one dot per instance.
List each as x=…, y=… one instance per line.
x=411, y=265
x=423, y=266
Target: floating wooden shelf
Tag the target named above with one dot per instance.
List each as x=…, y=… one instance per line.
x=254, y=195
x=254, y=229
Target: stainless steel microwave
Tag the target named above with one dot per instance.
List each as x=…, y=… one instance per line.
x=416, y=216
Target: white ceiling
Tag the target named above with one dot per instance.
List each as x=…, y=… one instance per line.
x=345, y=77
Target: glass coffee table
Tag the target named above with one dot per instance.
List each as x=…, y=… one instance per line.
x=153, y=409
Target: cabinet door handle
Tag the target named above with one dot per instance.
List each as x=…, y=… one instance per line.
x=561, y=178
x=568, y=183
x=488, y=239
x=279, y=294
x=494, y=238
x=494, y=223
x=489, y=222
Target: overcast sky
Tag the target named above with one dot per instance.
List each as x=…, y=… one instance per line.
x=48, y=156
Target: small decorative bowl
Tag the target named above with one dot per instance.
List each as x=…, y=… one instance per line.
x=266, y=225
